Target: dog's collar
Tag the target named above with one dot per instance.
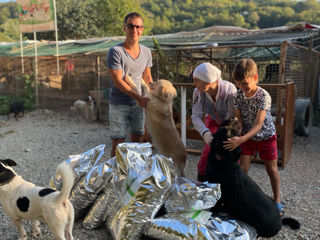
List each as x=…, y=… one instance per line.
x=218, y=157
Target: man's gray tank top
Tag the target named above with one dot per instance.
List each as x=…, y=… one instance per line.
x=119, y=59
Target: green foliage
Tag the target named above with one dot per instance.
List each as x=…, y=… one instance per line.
x=164, y=70
x=4, y=104
x=80, y=19
x=5, y=38
x=111, y=15
x=11, y=29
x=187, y=15
x=29, y=96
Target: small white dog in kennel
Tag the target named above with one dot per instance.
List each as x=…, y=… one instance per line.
x=84, y=107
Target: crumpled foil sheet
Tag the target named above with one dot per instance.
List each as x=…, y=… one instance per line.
x=126, y=192
x=197, y=226
x=226, y=228
x=142, y=190
x=85, y=192
x=131, y=159
x=100, y=208
x=81, y=164
x=187, y=194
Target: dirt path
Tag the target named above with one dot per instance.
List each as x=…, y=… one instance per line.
x=43, y=139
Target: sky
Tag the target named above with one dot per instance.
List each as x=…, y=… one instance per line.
x=1, y=1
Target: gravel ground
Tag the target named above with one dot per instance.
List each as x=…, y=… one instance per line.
x=42, y=139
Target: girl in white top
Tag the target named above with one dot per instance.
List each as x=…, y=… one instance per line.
x=214, y=98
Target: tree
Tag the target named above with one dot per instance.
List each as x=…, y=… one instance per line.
x=81, y=19
x=11, y=29
x=111, y=14
x=253, y=18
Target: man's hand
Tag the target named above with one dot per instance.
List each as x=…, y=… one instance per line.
x=143, y=101
x=207, y=137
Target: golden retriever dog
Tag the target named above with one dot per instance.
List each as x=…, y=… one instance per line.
x=160, y=123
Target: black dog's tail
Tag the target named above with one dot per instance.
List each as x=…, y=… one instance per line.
x=291, y=222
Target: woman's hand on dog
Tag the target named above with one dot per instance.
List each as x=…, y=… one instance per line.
x=232, y=143
x=207, y=137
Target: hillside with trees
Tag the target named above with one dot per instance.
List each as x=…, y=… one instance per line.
x=80, y=19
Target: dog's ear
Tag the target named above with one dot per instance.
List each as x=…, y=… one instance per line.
x=8, y=162
x=168, y=92
x=233, y=127
x=5, y=173
x=2, y=168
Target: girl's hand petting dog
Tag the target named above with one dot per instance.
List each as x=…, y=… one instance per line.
x=232, y=143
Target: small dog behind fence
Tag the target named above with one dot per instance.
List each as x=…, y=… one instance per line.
x=17, y=108
x=85, y=107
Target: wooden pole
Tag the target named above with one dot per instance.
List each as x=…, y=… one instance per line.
x=21, y=47
x=183, y=114
x=98, y=94
x=281, y=79
x=56, y=33
x=36, y=68
x=310, y=70
x=315, y=80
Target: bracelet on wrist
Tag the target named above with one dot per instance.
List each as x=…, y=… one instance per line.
x=205, y=132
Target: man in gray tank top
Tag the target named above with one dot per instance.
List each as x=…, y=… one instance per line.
x=125, y=105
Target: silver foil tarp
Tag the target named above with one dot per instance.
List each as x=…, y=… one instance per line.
x=198, y=225
x=96, y=216
x=85, y=192
x=187, y=194
x=131, y=159
x=141, y=190
x=81, y=163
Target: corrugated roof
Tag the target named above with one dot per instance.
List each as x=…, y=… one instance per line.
x=238, y=38
x=213, y=36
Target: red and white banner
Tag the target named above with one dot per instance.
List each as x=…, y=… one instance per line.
x=36, y=15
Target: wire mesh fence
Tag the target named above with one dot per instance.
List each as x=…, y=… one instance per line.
x=81, y=75
x=277, y=63
x=77, y=77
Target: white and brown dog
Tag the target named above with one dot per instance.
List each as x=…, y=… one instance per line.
x=22, y=200
x=84, y=107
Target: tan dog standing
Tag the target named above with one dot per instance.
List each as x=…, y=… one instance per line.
x=160, y=123
x=22, y=200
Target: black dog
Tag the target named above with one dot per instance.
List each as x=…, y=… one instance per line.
x=16, y=108
x=241, y=197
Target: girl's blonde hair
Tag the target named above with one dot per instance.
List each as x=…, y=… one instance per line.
x=244, y=69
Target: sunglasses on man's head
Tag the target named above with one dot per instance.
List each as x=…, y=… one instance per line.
x=132, y=26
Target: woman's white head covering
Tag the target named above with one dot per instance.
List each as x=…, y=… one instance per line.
x=207, y=72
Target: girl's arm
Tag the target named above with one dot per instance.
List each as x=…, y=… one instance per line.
x=239, y=116
x=261, y=115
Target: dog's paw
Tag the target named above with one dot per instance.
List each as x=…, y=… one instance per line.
x=36, y=231
x=24, y=237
